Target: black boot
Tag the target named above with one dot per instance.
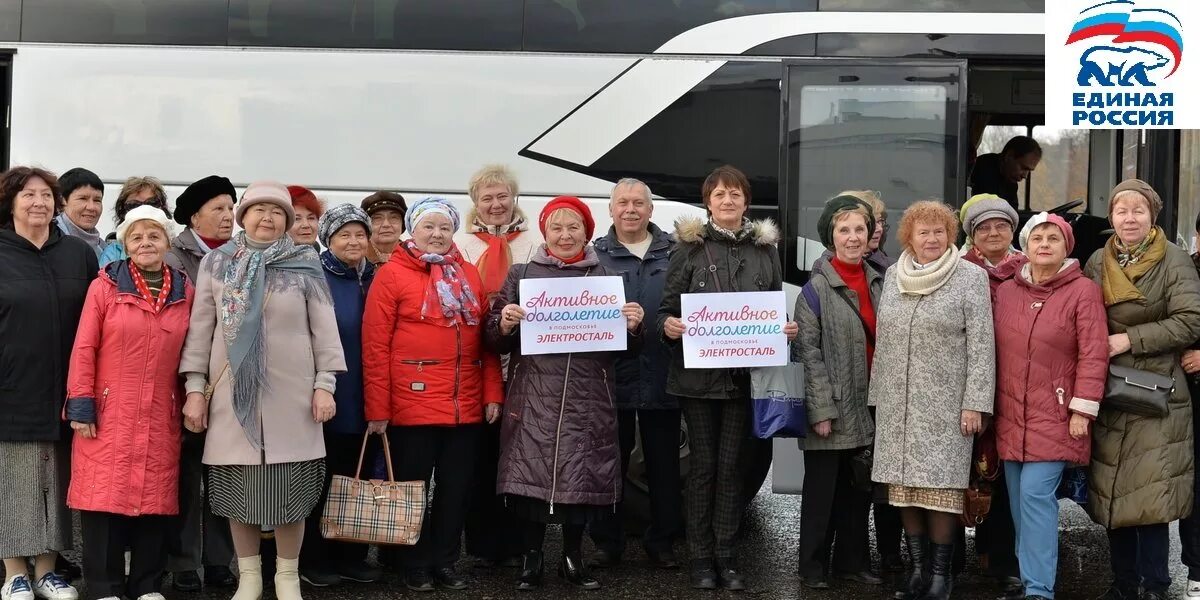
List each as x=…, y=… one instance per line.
x=943, y=580
x=916, y=581
x=531, y=571
x=572, y=570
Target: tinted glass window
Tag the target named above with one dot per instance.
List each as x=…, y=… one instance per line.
x=935, y=45
x=730, y=118
x=936, y=5
x=421, y=24
x=183, y=22
x=631, y=25
x=10, y=19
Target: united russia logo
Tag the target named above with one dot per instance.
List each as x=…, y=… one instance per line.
x=1122, y=61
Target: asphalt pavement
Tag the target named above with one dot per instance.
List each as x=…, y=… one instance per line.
x=767, y=555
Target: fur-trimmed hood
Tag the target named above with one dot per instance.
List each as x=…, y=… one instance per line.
x=694, y=230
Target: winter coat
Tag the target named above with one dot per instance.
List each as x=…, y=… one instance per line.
x=934, y=359
x=124, y=378
x=750, y=264
x=186, y=253
x=642, y=380
x=833, y=350
x=349, y=290
x=42, y=291
x=558, y=436
x=424, y=373
x=1051, y=361
x=303, y=354
x=996, y=274
x=1141, y=466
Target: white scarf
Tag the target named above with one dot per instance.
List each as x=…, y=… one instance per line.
x=927, y=279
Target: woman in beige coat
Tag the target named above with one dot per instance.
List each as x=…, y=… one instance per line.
x=263, y=341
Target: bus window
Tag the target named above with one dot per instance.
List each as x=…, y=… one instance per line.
x=184, y=22
x=1131, y=153
x=1189, y=187
x=10, y=20
x=992, y=142
x=1062, y=175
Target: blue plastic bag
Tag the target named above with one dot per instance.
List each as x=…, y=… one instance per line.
x=1074, y=485
x=777, y=400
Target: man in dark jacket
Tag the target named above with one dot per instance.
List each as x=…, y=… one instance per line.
x=1000, y=174
x=639, y=250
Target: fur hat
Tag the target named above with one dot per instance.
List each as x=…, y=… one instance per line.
x=198, y=194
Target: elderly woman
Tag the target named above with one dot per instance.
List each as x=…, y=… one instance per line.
x=200, y=538
x=934, y=382
x=123, y=403
x=135, y=192
x=345, y=230
x=1152, y=296
x=308, y=212
x=727, y=253
x=83, y=203
x=386, y=210
x=989, y=223
x=560, y=404
x=836, y=314
x=38, y=318
x=436, y=384
x=1051, y=365
x=497, y=235
x=261, y=361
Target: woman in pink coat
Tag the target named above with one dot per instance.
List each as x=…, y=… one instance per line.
x=1051, y=366
x=124, y=404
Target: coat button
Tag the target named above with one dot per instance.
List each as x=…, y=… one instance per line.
x=701, y=284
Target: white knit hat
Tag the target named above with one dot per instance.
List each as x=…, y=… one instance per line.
x=145, y=212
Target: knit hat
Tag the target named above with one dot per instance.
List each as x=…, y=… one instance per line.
x=1141, y=187
x=338, y=217
x=271, y=192
x=1053, y=219
x=571, y=203
x=433, y=205
x=198, y=194
x=982, y=207
x=144, y=212
x=839, y=204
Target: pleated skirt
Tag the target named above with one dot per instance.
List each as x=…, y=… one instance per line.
x=276, y=494
x=34, y=517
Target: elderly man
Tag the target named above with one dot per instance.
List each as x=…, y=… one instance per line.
x=83, y=203
x=638, y=249
x=386, y=210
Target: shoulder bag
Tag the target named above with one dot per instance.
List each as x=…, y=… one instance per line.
x=1138, y=392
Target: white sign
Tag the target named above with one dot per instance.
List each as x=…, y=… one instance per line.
x=572, y=314
x=742, y=329
x=1122, y=63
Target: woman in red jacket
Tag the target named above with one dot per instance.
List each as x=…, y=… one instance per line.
x=424, y=321
x=124, y=403
x=1051, y=366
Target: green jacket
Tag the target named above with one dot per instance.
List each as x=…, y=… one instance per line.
x=1142, y=469
x=833, y=350
x=750, y=264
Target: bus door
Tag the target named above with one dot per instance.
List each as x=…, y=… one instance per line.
x=896, y=126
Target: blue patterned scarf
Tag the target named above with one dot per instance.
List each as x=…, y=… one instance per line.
x=241, y=310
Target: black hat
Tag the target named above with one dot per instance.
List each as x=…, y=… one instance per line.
x=383, y=200
x=835, y=206
x=198, y=194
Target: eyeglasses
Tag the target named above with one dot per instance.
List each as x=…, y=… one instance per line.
x=995, y=228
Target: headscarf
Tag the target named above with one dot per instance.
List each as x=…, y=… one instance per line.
x=449, y=299
x=494, y=263
x=241, y=310
x=432, y=205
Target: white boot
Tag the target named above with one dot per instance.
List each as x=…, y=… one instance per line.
x=287, y=579
x=250, y=583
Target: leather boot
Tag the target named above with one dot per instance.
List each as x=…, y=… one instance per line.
x=572, y=570
x=531, y=571
x=287, y=579
x=250, y=581
x=942, y=581
x=916, y=580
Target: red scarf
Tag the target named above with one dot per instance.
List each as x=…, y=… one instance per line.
x=140, y=282
x=494, y=264
x=212, y=243
x=576, y=258
x=855, y=278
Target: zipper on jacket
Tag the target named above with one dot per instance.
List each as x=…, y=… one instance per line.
x=420, y=363
x=562, y=407
x=457, y=370
x=607, y=390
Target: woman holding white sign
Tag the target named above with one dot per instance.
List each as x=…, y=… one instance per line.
x=728, y=253
x=561, y=403
x=934, y=379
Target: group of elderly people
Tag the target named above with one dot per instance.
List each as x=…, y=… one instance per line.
x=188, y=391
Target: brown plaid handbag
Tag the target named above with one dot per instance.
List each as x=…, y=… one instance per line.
x=374, y=511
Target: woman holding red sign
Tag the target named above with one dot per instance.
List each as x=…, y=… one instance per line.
x=562, y=402
x=726, y=253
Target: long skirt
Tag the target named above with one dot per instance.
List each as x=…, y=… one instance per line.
x=34, y=517
x=277, y=494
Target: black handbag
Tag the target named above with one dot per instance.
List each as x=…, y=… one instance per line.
x=1138, y=392
x=860, y=470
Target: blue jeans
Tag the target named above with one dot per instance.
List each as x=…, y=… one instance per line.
x=1031, y=490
